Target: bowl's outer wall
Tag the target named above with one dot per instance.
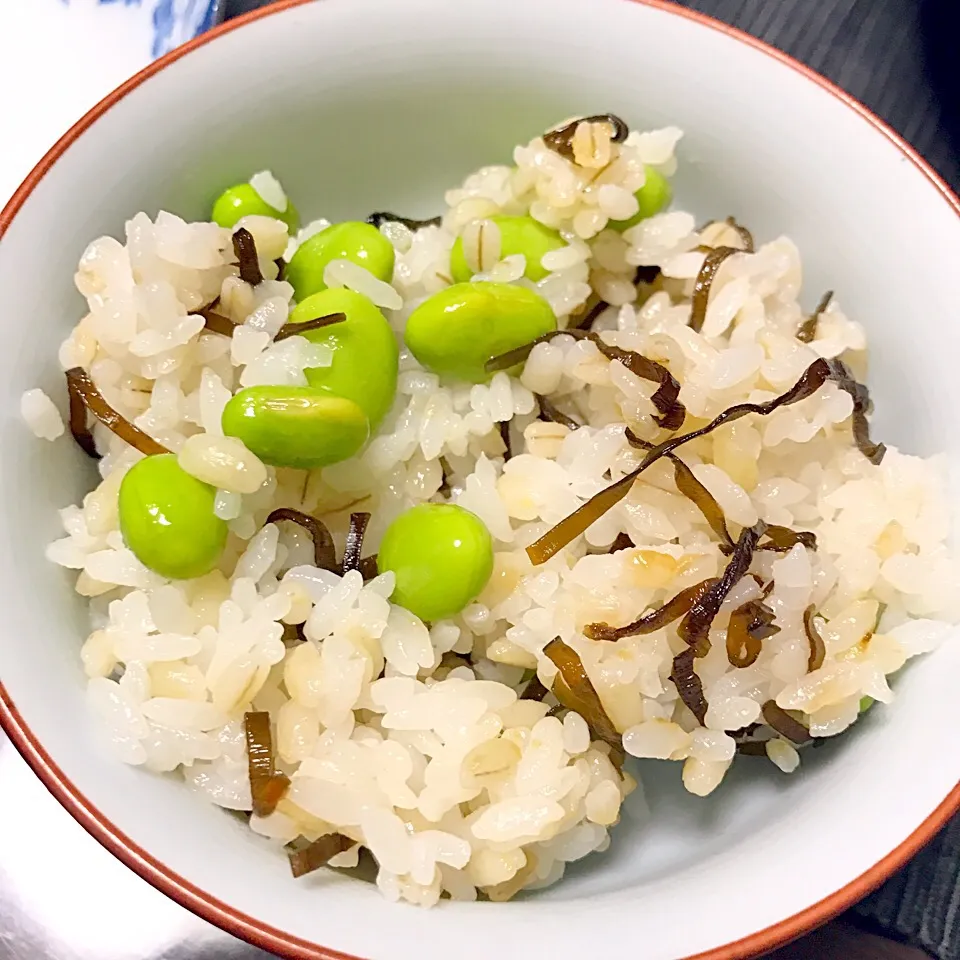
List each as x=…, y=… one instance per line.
x=353, y=120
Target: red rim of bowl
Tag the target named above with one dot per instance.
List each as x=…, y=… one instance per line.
x=285, y=944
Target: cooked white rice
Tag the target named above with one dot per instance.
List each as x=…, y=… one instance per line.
x=408, y=738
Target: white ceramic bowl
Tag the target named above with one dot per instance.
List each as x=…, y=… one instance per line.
x=372, y=104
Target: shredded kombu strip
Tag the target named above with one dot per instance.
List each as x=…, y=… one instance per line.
x=585, y=320
x=694, y=629
x=382, y=216
x=672, y=411
x=783, y=539
x=665, y=399
x=266, y=785
x=688, y=684
x=534, y=690
x=746, y=237
x=318, y=854
x=354, y=544
x=551, y=414
x=646, y=275
x=504, y=428
x=750, y=624
x=555, y=539
x=692, y=489
x=247, y=260
x=297, y=329
x=704, y=281
x=216, y=322
x=293, y=634
x=78, y=419
x=861, y=408
x=784, y=724
x=324, y=553
x=574, y=690
x=818, y=649
x=673, y=609
x=84, y=396
x=746, y=744
x=561, y=140
x=808, y=329
x=622, y=542
x=368, y=567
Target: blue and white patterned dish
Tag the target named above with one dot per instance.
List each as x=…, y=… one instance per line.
x=70, y=54
x=172, y=21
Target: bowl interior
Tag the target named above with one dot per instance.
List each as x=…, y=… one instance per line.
x=359, y=105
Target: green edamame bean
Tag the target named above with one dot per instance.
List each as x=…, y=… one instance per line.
x=866, y=703
x=442, y=556
x=654, y=196
x=517, y=235
x=296, y=426
x=364, y=367
x=456, y=331
x=243, y=201
x=360, y=242
x=167, y=519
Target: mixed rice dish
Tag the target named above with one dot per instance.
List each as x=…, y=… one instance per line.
x=410, y=534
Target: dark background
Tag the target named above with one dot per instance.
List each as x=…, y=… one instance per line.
x=901, y=58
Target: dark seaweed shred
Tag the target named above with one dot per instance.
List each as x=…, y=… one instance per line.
x=245, y=249
x=318, y=323
x=354, y=544
x=504, y=428
x=783, y=539
x=673, y=609
x=781, y=721
x=753, y=748
x=750, y=624
x=695, y=627
x=701, y=287
x=552, y=414
x=818, y=649
x=266, y=785
x=281, y=267
x=382, y=216
x=293, y=634
x=560, y=140
x=665, y=399
x=693, y=490
x=78, y=419
x=534, y=690
x=585, y=320
x=646, y=275
x=216, y=322
x=862, y=406
x=572, y=526
x=324, y=552
x=622, y=542
x=746, y=237
x=304, y=860
x=574, y=690
x=368, y=567
x=808, y=329
x=85, y=396
x=689, y=685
